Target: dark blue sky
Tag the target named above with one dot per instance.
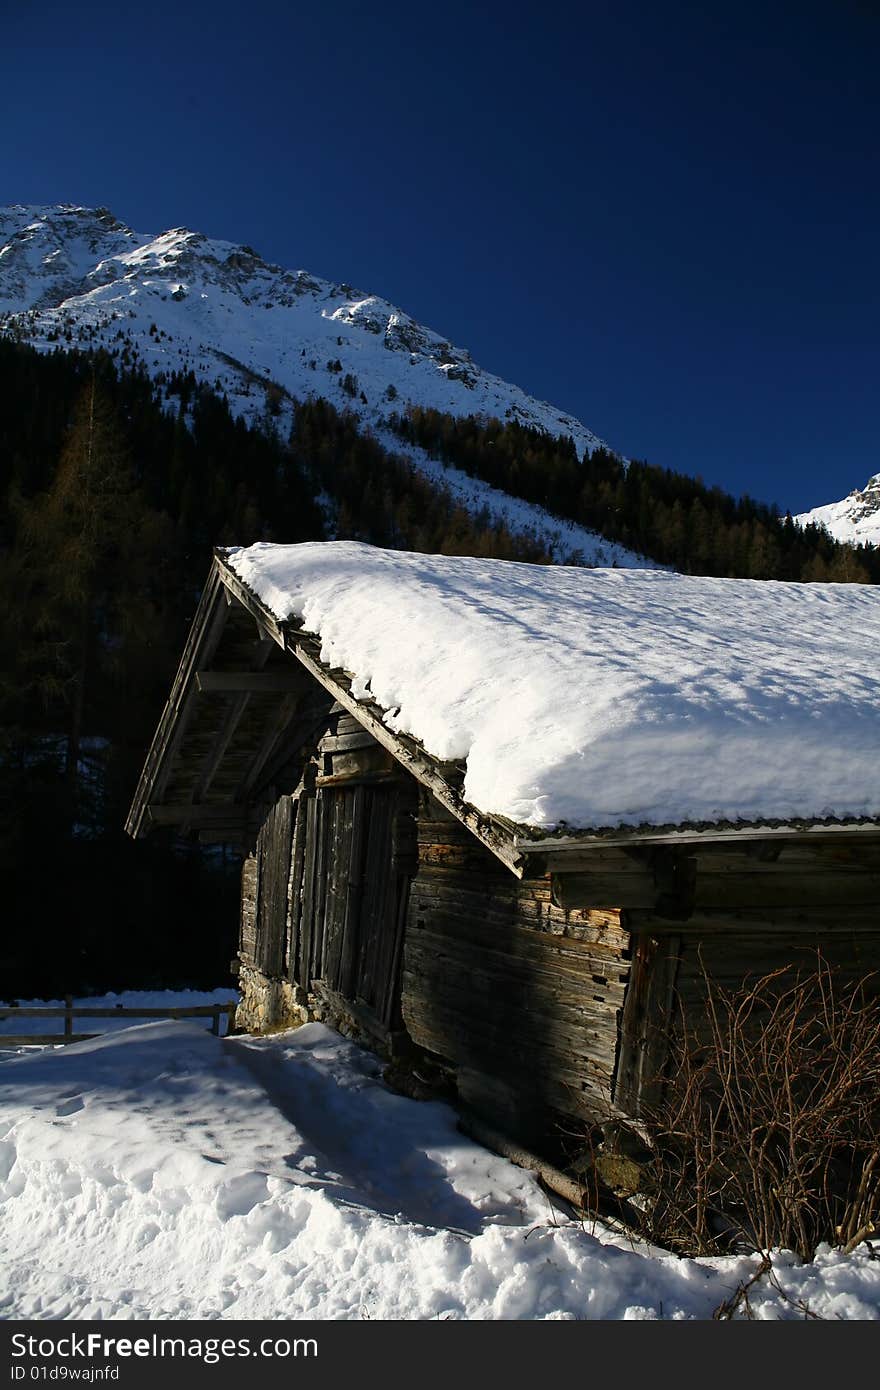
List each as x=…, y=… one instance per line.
x=660, y=216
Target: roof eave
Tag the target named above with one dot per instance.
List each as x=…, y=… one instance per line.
x=563, y=851
x=225, y=586
x=494, y=832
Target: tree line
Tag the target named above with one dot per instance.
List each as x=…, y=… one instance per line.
x=380, y=497
x=667, y=516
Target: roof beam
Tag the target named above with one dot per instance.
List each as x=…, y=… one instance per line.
x=309, y=722
x=575, y=852
x=675, y=885
x=204, y=637
x=197, y=815
x=250, y=682
x=277, y=728
x=227, y=729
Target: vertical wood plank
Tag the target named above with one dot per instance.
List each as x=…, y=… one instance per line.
x=353, y=891
x=306, y=933
x=295, y=888
x=646, y=1021
x=317, y=944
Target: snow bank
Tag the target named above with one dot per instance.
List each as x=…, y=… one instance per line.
x=603, y=697
x=162, y=1173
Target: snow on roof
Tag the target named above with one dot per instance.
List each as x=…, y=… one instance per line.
x=599, y=698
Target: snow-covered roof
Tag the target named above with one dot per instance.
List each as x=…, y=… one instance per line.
x=602, y=698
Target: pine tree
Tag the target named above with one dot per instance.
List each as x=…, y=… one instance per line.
x=77, y=538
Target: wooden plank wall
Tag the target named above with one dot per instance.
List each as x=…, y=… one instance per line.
x=274, y=844
x=324, y=896
x=247, y=940
x=350, y=920
x=742, y=952
x=522, y=996
x=672, y=961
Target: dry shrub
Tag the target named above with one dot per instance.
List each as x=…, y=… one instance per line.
x=769, y=1132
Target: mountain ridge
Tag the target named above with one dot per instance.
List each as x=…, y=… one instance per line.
x=180, y=301
x=68, y=261
x=264, y=337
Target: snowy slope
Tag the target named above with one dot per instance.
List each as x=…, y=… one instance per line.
x=855, y=520
x=163, y=1173
x=210, y=298
x=601, y=698
x=181, y=301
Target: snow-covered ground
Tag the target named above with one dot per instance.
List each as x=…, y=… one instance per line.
x=159, y=1172
x=603, y=697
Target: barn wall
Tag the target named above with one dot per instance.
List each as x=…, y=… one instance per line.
x=672, y=962
x=739, y=949
x=324, y=894
x=522, y=997
x=367, y=905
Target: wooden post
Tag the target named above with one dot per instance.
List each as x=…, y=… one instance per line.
x=68, y=1017
x=215, y=1025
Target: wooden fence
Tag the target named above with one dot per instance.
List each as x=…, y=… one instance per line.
x=70, y=1011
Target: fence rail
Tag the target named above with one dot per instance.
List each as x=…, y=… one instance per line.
x=70, y=1011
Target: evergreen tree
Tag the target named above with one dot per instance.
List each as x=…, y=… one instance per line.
x=78, y=538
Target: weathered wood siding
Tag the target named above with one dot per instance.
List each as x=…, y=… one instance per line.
x=673, y=960
x=347, y=926
x=247, y=941
x=522, y=996
x=324, y=895
x=273, y=872
x=825, y=878
x=741, y=952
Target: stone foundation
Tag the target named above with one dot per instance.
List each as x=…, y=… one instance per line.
x=267, y=1005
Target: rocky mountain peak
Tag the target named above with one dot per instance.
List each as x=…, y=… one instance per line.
x=184, y=301
x=855, y=519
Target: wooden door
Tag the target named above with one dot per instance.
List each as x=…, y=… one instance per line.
x=349, y=889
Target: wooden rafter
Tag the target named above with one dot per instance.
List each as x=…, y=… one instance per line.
x=199, y=815
x=248, y=682
x=204, y=636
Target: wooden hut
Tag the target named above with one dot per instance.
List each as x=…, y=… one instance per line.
x=535, y=970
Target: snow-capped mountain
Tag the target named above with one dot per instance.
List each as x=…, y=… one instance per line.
x=222, y=311
x=855, y=520
x=181, y=301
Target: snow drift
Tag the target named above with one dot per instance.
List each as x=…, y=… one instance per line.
x=162, y=1173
